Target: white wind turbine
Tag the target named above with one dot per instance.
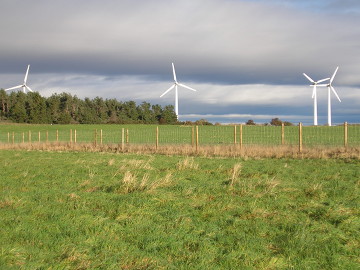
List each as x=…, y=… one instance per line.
x=24, y=86
x=314, y=95
x=176, y=84
x=330, y=87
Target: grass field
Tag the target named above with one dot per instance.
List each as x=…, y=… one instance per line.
x=208, y=135
x=77, y=210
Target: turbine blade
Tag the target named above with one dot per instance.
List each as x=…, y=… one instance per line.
x=311, y=80
x=15, y=87
x=332, y=88
x=314, y=91
x=168, y=90
x=26, y=74
x=28, y=88
x=174, y=73
x=183, y=85
x=333, y=76
x=323, y=80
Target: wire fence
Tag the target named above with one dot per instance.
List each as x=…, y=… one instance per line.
x=242, y=135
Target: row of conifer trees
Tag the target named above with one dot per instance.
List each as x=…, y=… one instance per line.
x=65, y=108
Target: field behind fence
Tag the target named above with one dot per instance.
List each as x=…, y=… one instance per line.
x=195, y=136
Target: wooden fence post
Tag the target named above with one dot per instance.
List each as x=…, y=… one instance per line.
x=57, y=135
x=241, y=136
x=127, y=136
x=23, y=137
x=13, y=137
x=122, y=138
x=8, y=137
x=101, y=137
x=39, y=137
x=95, y=137
x=282, y=134
x=197, y=139
x=300, y=137
x=192, y=136
x=234, y=134
x=47, y=136
x=75, y=136
x=71, y=136
x=29, y=136
x=345, y=134
x=157, y=137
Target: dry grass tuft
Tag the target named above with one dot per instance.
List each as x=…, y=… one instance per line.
x=187, y=163
x=313, y=190
x=162, y=182
x=111, y=162
x=129, y=182
x=235, y=172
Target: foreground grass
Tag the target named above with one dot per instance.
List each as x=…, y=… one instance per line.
x=102, y=210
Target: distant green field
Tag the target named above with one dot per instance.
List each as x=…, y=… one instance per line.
x=168, y=134
x=123, y=211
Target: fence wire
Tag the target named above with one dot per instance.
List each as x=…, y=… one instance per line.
x=346, y=135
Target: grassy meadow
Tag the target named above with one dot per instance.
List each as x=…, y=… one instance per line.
x=81, y=210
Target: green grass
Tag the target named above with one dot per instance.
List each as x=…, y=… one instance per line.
x=68, y=210
x=208, y=135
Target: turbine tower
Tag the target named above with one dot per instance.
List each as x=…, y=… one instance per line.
x=24, y=85
x=314, y=95
x=176, y=84
x=331, y=88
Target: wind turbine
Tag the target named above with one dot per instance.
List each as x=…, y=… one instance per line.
x=24, y=85
x=329, y=86
x=176, y=84
x=314, y=95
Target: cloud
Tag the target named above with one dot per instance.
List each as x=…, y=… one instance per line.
x=214, y=41
x=241, y=55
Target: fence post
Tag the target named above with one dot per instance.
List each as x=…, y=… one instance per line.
x=122, y=138
x=101, y=137
x=241, y=136
x=157, y=137
x=282, y=134
x=197, y=139
x=300, y=137
x=8, y=137
x=13, y=137
x=192, y=136
x=39, y=137
x=23, y=137
x=345, y=134
x=47, y=136
x=95, y=137
x=127, y=136
x=29, y=136
x=71, y=136
x=75, y=136
x=57, y=135
x=234, y=134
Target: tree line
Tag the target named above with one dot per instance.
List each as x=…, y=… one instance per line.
x=65, y=108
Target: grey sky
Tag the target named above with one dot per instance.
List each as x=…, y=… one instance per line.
x=244, y=57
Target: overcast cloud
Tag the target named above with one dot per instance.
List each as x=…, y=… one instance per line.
x=245, y=58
